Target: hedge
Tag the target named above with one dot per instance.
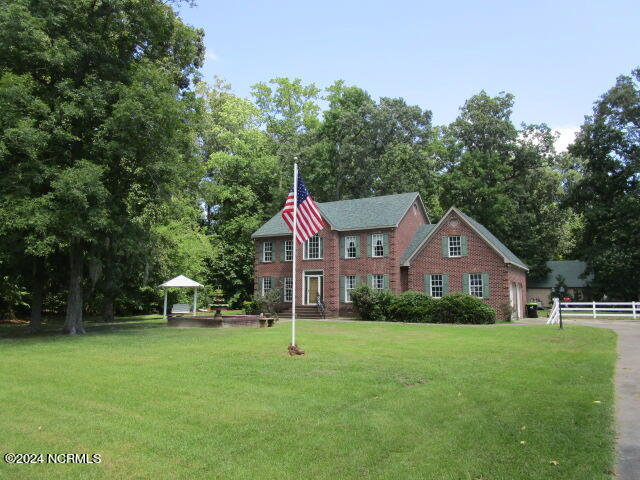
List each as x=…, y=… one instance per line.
x=417, y=307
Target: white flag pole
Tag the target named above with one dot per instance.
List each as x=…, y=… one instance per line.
x=295, y=241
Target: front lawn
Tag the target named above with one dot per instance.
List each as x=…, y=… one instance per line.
x=388, y=401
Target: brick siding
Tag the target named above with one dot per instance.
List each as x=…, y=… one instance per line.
x=481, y=258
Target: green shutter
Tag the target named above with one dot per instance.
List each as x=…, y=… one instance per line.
x=386, y=281
x=321, y=247
x=445, y=284
x=274, y=285
x=463, y=245
x=283, y=248
x=342, y=242
x=282, y=289
x=357, y=246
x=445, y=247
x=262, y=251
x=485, y=285
x=368, y=245
x=370, y=280
x=342, y=288
x=427, y=284
x=465, y=282
x=385, y=244
x=274, y=253
x=259, y=290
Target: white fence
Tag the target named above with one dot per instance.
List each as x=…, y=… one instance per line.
x=593, y=310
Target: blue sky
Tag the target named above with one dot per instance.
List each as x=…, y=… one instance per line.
x=555, y=57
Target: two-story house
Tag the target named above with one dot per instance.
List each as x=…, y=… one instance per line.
x=390, y=243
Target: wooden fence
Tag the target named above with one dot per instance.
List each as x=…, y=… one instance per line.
x=592, y=310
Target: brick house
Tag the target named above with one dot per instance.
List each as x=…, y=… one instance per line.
x=390, y=243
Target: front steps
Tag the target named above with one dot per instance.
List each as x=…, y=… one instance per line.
x=310, y=312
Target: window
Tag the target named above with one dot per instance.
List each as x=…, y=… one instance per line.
x=455, y=246
x=312, y=249
x=266, y=285
x=349, y=284
x=377, y=245
x=436, y=286
x=350, y=247
x=287, y=286
x=288, y=250
x=475, y=284
x=267, y=252
x=377, y=282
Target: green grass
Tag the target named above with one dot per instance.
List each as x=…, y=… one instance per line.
x=387, y=401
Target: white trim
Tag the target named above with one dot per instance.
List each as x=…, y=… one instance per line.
x=305, y=249
x=352, y=288
x=284, y=246
x=346, y=246
x=373, y=245
x=305, y=293
x=431, y=285
x=264, y=251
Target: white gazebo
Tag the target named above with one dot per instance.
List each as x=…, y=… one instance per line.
x=181, y=282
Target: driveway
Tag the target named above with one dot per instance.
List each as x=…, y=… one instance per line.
x=627, y=381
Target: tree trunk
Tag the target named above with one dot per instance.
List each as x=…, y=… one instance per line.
x=107, y=309
x=37, y=286
x=73, y=320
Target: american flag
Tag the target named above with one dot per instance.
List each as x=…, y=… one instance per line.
x=310, y=221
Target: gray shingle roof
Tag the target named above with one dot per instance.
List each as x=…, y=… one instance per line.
x=420, y=235
x=361, y=213
x=569, y=269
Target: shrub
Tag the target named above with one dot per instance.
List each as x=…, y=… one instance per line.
x=250, y=307
x=268, y=303
x=371, y=304
x=462, y=308
x=411, y=307
x=417, y=307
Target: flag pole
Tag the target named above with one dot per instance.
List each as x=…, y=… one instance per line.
x=295, y=241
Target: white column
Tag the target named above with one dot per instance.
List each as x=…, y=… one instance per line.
x=165, y=304
x=195, y=299
x=295, y=241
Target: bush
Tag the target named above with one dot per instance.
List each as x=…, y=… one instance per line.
x=462, y=308
x=417, y=307
x=412, y=307
x=370, y=304
x=250, y=307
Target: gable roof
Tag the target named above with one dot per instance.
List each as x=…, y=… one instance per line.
x=420, y=235
x=569, y=269
x=424, y=234
x=358, y=214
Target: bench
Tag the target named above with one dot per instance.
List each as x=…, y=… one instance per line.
x=180, y=308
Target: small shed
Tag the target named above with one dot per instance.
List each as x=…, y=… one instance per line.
x=181, y=282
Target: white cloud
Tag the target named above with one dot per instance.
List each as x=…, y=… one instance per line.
x=211, y=55
x=566, y=138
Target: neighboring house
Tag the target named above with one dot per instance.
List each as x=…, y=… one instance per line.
x=389, y=243
x=572, y=271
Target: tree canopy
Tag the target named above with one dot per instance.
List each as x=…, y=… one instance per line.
x=122, y=168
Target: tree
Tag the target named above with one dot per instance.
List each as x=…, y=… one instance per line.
x=508, y=179
x=288, y=111
x=239, y=190
x=365, y=148
x=111, y=118
x=608, y=195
